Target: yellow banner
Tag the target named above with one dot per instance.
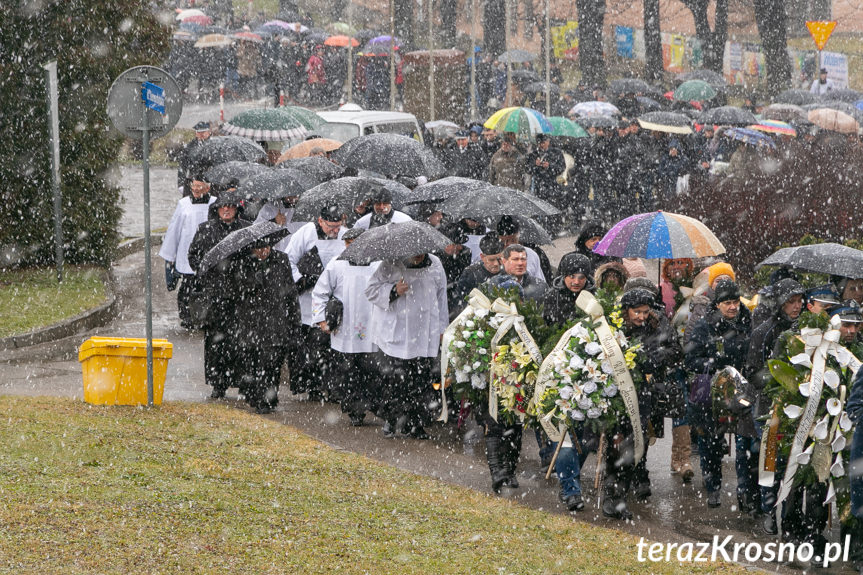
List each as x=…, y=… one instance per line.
x=564, y=40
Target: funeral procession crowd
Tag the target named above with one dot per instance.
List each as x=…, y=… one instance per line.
x=449, y=306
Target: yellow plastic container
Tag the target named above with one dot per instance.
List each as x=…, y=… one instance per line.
x=115, y=370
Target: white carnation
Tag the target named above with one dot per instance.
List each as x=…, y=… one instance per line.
x=565, y=392
x=606, y=367
x=577, y=415
x=477, y=364
x=584, y=402
x=594, y=412
x=469, y=324
x=480, y=313
x=610, y=390
x=589, y=387
x=482, y=351
x=477, y=381
x=466, y=334
x=576, y=362
x=459, y=344
x=593, y=348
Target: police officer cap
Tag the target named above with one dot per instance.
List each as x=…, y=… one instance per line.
x=202, y=127
x=491, y=244
x=461, y=134
x=826, y=293
x=331, y=213
x=849, y=311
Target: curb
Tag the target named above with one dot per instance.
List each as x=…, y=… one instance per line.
x=86, y=320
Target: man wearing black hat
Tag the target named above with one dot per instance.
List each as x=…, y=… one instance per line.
x=467, y=159
x=455, y=258
x=575, y=274
x=822, y=84
x=191, y=212
x=209, y=306
x=185, y=168
x=340, y=309
x=382, y=211
x=310, y=249
x=265, y=322
x=474, y=275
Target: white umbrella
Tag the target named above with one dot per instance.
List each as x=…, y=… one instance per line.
x=596, y=108
x=183, y=14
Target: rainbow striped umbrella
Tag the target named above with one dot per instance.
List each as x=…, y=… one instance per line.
x=526, y=122
x=659, y=235
x=774, y=127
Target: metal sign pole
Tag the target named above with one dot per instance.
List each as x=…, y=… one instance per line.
x=473, y=19
x=54, y=118
x=431, y=60
x=392, y=55
x=145, y=130
x=350, y=55
x=508, y=98
x=547, y=61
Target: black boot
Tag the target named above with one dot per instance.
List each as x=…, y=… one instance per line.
x=613, y=501
x=499, y=473
x=510, y=453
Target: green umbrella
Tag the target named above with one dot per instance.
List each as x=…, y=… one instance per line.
x=565, y=127
x=273, y=124
x=694, y=91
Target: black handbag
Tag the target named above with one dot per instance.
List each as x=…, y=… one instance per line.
x=333, y=314
x=699, y=393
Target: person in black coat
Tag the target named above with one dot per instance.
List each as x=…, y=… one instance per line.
x=721, y=339
x=209, y=306
x=491, y=254
x=789, y=297
x=588, y=236
x=574, y=276
x=545, y=164
x=266, y=320
x=455, y=259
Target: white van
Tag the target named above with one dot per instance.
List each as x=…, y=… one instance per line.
x=351, y=121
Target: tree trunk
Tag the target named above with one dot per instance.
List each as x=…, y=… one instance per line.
x=404, y=20
x=652, y=41
x=591, y=14
x=494, y=35
x=712, y=41
x=448, y=12
x=770, y=18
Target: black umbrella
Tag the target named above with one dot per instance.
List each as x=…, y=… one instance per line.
x=646, y=104
x=628, y=86
x=522, y=77
x=668, y=122
x=317, y=168
x=529, y=230
x=597, y=122
x=844, y=95
x=445, y=188
x=346, y=193
x=495, y=201
x=727, y=116
x=540, y=88
x=394, y=242
x=828, y=258
x=389, y=154
x=222, y=174
x=715, y=79
x=221, y=149
x=796, y=97
x=276, y=184
x=784, y=113
x=234, y=242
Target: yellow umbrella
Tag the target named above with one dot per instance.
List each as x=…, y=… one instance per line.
x=303, y=149
x=834, y=120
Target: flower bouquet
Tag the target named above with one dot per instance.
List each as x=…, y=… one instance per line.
x=470, y=355
x=808, y=424
x=513, y=377
x=581, y=387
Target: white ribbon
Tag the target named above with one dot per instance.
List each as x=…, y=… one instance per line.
x=818, y=345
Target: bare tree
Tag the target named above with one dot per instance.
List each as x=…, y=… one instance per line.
x=591, y=14
x=771, y=21
x=712, y=41
x=494, y=35
x=652, y=41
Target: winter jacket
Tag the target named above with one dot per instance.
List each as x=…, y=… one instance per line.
x=558, y=303
x=612, y=266
x=545, y=184
x=507, y=169
x=718, y=342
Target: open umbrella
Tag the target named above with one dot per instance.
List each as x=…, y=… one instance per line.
x=213, y=41
x=628, y=86
x=599, y=122
x=304, y=148
x=226, y=172
x=668, y=122
x=442, y=128
x=384, y=39
x=291, y=26
x=784, y=113
x=566, y=128
x=346, y=193
x=237, y=240
x=846, y=95
x=541, y=88
x=221, y=149
x=445, y=188
x=247, y=36
x=529, y=230
x=659, y=235
x=522, y=77
x=340, y=28
x=395, y=242
x=727, y=116
x=796, y=97
x=317, y=168
x=694, y=91
x=276, y=184
x=272, y=124
x=774, y=127
x=750, y=137
x=341, y=41
x=826, y=258
x=495, y=201
x=646, y=104
x=715, y=79
x=516, y=56
x=594, y=108
x=834, y=120
x=389, y=154
x=843, y=107
x=201, y=19
x=525, y=122
x=183, y=14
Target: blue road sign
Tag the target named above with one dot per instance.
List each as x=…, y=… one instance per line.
x=153, y=96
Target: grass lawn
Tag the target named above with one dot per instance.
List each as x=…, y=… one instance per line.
x=188, y=488
x=32, y=298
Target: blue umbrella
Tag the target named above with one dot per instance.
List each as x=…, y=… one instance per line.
x=751, y=137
